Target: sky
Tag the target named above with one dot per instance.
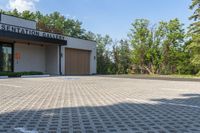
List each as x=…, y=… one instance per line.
x=112, y=17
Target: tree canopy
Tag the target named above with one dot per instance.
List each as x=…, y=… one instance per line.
x=194, y=33
x=162, y=48
x=157, y=49
x=54, y=22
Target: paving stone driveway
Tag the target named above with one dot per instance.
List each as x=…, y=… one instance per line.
x=98, y=105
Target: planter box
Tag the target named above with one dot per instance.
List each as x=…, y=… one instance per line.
x=35, y=76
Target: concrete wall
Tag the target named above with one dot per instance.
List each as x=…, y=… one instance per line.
x=17, y=21
x=84, y=45
x=33, y=58
x=52, y=60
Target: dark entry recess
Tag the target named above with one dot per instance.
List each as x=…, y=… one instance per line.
x=6, y=57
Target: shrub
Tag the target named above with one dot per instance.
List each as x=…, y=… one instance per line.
x=19, y=74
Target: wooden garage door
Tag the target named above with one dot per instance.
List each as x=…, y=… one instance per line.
x=77, y=62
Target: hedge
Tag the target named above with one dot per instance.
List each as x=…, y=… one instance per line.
x=19, y=74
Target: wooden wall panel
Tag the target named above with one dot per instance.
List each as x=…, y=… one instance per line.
x=77, y=62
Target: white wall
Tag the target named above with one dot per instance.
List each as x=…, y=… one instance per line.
x=33, y=58
x=84, y=45
x=52, y=60
x=46, y=58
x=17, y=21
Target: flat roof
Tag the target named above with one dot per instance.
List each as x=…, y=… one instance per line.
x=17, y=17
x=42, y=30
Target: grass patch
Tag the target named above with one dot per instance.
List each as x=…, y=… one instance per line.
x=160, y=76
x=167, y=76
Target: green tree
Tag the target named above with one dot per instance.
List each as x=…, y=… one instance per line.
x=53, y=22
x=196, y=15
x=146, y=42
x=194, y=34
x=89, y=36
x=156, y=49
x=122, y=57
x=57, y=23
x=171, y=44
x=104, y=63
x=14, y=13
x=184, y=65
x=28, y=15
x=141, y=40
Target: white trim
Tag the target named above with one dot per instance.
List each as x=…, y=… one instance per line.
x=58, y=61
x=35, y=76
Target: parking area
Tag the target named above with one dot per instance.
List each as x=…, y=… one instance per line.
x=98, y=105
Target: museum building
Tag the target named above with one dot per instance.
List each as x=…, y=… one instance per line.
x=23, y=48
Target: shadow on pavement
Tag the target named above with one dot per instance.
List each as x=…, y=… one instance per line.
x=129, y=117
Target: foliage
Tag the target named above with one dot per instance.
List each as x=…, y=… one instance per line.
x=172, y=45
x=54, y=22
x=194, y=34
x=104, y=63
x=157, y=49
x=122, y=57
x=195, y=6
x=163, y=48
x=19, y=74
x=112, y=58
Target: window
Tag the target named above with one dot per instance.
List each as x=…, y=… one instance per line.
x=6, y=57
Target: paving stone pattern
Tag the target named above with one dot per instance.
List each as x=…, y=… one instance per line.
x=98, y=105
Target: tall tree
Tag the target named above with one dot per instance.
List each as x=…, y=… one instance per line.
x=194, y=33
x=172, y=41
x=104, y=63
x=156, y=48
x=53, y=22
x=195, y=26
x=122, y=57
x=139, y=39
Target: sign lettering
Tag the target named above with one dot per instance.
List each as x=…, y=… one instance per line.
x=32, y=32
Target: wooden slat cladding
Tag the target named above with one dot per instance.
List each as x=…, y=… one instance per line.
x=77, y=62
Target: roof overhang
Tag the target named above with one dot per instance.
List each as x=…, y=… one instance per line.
x=12, y=33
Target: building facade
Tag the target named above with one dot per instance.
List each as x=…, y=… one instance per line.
x=24, y=48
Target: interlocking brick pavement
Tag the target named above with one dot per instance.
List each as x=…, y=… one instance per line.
x=98, y=105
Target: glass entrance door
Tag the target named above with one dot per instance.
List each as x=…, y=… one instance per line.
x=6, y=57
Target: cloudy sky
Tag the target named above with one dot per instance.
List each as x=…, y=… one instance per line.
x=113, y=17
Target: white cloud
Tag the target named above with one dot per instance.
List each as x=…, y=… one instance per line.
x=22, y=5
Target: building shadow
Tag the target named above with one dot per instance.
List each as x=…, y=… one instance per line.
x=190, y=100
x=160, y=116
